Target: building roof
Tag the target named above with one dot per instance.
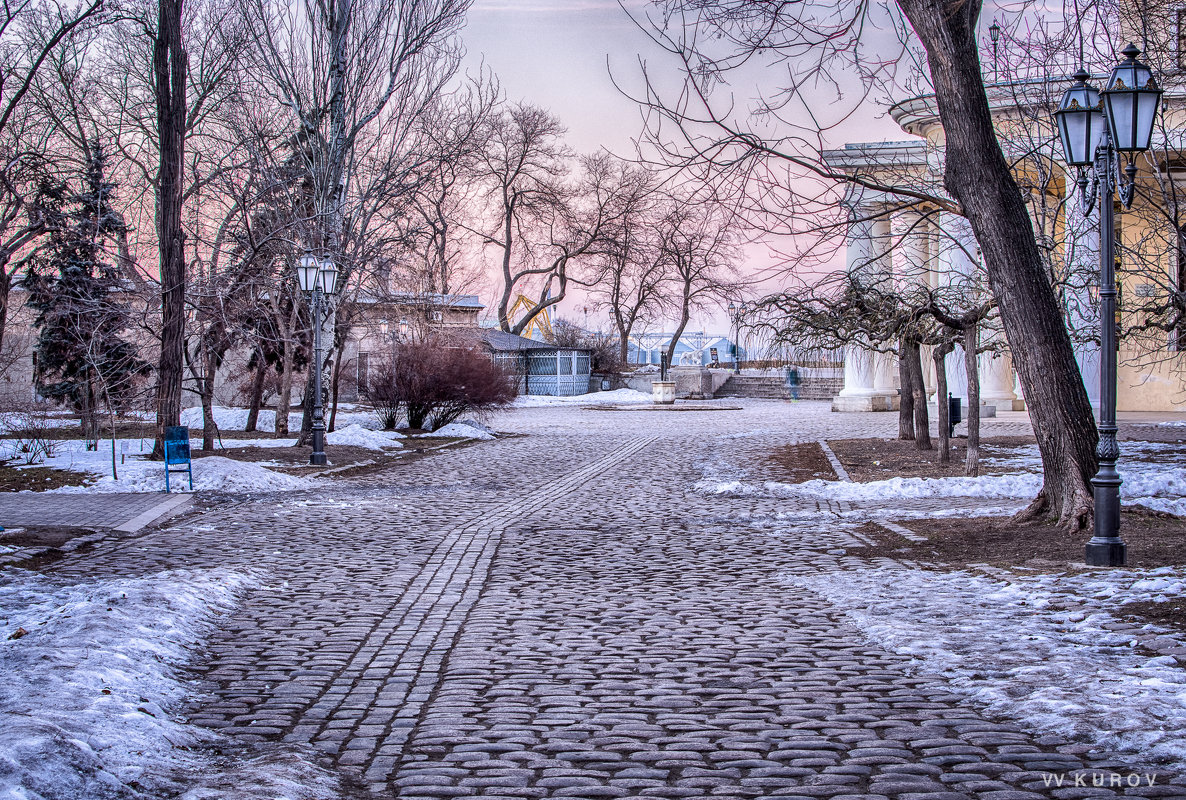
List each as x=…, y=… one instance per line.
x=501, y=340
x=431, y=299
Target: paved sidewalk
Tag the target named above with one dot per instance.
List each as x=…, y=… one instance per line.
x=563, y=614
x=126, y=512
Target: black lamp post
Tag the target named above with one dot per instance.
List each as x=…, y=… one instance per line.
x=318, y=277
x=735, y=316
x=994, y=33
x=1099, y=129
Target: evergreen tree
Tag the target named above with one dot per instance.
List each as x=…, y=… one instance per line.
x=82, y=357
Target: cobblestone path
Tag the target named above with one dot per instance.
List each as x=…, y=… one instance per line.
x=562, y=614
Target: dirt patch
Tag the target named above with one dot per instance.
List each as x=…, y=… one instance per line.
x=796, y=463
x=40, y=479
x=1170, y=613
x=48, y=536
x=880, y=459
x=1154, y=540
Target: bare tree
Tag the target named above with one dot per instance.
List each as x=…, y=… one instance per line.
x=815, y=43
x=698, y=241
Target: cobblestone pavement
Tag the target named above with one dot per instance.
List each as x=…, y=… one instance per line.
x=561, y=614
x=83, y=510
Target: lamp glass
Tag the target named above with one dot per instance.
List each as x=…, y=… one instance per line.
x=307, y=268
x=1080, y=122
x=329, y=276
x=1131, y=98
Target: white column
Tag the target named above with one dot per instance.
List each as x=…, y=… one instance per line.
x=956, y=246
x=996, y=381
x=866, y=251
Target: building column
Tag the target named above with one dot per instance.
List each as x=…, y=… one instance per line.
x=865, y=381
x=996, y=382
x=1081, y=255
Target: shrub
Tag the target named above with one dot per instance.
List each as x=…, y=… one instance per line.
x=435, y=381
x=606, y=355
x=33, y=433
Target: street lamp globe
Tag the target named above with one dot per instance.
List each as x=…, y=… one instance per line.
x=1080, y=121
x=329, y=276
x=308, y=266
x=732, y=309
x=1131, y=98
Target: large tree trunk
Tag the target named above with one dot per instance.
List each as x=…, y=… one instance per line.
x=978, y=176
x=905, y=395
x=284, y=401
x=918, y=390
x=210, y=367
x=942, y=407
x=169, y=72
x=257, y=393
x=5, y=291
x=971, y=344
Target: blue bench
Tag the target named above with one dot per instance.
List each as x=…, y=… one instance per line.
x=177, y=454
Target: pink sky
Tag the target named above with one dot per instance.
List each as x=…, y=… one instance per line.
x=554, y=53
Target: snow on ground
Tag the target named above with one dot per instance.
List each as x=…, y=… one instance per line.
x=1160, y=486
x=1035, y=649
x=462, y=430
x=16, y=420
x=358, y=436
x=214, y=473
x=616, y=397
x=235, y=419
x=92, y=688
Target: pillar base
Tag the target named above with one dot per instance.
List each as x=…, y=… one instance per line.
x=1107, y=554
x=869, y=402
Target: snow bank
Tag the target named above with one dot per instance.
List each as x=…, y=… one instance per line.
x=461, y=430
x=1038, y=650
x=235, y=419
x=357, y=436
x=214, y=473
x=1161, y=486
x=616, y=397
x=88, y=703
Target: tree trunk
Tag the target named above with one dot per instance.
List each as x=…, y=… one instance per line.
x=169, y=74
x=942, y=406
x=971, y=344
x=257, y=393
x=922, y=421
x=905, y=395
x=210, y=368
x=5, y=291
x=284, y=401
x=978, y=176
x=333, y=392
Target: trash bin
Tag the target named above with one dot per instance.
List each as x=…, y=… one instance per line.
x=177, y=457
x=955, y=413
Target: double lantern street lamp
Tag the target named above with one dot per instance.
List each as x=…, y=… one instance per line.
x=735, y=313
x=318, y=278
x=1097, y=129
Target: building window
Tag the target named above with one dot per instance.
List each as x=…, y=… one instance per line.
x=1180, y=15
x=363, y=367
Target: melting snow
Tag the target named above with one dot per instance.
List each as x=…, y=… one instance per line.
x=1035, y=649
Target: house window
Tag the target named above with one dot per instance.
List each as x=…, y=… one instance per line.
x=363, y=366
x=1181, y=20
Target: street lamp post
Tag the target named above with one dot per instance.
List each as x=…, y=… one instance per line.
x=1099, y=129
x=735, y=316
x=318, y=278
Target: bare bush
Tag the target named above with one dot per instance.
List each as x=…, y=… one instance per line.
x=32, y=430
x=435, y=381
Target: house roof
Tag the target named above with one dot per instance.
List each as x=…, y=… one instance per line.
x=501, y=340
x=431, y=300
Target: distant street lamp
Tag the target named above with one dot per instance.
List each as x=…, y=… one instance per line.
x=1095, y=129
x=318, y=278
x=994, y=33
x=735, y=315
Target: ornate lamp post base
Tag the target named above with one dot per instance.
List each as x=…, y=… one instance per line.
x=1106, y=554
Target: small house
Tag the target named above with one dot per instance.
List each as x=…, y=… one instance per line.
x=542, y=368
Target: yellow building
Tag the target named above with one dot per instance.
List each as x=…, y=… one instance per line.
x=916, y=240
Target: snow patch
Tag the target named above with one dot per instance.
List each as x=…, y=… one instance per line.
x=357, y=436
x=91, y=690
x=460, y=430
x=1038, y=650
x=616, y=397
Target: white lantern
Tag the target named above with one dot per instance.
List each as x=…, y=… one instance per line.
x=308, y=266
x=329, y=276
x=1131, y=98
x=1080, y=121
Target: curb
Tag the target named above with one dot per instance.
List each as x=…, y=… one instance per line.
x=161, y=509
